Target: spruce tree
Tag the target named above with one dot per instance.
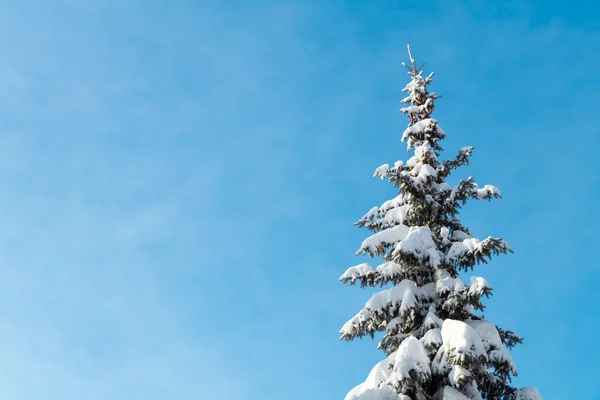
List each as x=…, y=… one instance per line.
x=437, y=343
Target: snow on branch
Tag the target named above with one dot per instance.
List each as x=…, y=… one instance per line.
x=462, y=344
x=446, y=284
x=460, y=377
x=426, y=129
x=468, y=189
x=383, y=392
x=462, y=158
x=425, y=108
x=378, y=243
x=479, y=287
x=382, y=171
x=460, y=300
x=377, y=217
x=400, y=300
x=467, y=253
x=411, y=364
x=388, y=272
x=498, y=355
x=487, y=192
x=405, y=369
x=419, y=245
x=432, y=340
x=357, y=272
x=449, y=393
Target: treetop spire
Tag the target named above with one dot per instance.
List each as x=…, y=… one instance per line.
x=412, y=70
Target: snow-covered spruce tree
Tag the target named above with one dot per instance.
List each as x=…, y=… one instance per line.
x=437, y=343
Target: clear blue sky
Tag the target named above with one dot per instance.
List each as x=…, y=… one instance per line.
x=179, y=182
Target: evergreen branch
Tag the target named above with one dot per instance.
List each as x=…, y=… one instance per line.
x=509, y=338
x=462, y=158
x=482, y=252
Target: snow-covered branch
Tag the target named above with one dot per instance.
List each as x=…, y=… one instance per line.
x=462, y=158
x=469, y=252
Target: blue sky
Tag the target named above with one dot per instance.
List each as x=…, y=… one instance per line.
x=180, y=181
